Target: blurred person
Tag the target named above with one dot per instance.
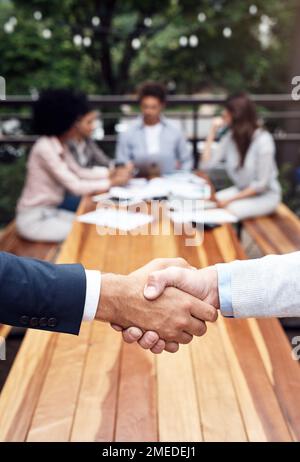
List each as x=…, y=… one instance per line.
x=249, y=154
x=52, y=171
x=152, y=139
x=85, y=151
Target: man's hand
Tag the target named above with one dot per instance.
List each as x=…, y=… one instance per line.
x=175, y=316
x=150, y=340
x=202, y=284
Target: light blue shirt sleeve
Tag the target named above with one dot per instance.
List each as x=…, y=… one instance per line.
x=224, y=286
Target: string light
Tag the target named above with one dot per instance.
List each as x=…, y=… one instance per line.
x=193, y=40
x=8, y=27
x=77, y=40
x=37, y=15
x=201, y=17
x=13, y=20
x=227, y=32
x=148, y=22
x=253, y=10
x=183, y=41
x=96, y=21
x=47, y=34
x=87, y=41
x=136, y=43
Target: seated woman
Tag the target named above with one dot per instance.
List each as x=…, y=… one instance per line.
x=85, y=151
x=249, y=154
x=52, y=171
x=152, y=140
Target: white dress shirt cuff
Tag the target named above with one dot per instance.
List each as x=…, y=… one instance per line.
x=93, y=288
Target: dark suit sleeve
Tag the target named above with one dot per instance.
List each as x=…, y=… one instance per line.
x=41, y=295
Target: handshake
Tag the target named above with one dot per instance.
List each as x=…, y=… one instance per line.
x=160, y=305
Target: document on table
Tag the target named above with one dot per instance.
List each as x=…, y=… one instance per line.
x=117, y=219
x=184, y=186
x=212, y=216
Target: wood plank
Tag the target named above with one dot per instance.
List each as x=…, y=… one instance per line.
x=277, y=233
x=100, y=380
x=63, y=381
x=221, y=418
x=178, y=407
x=5, y=330
x=96, y=408
x=286, y=373
x=53, y=416
x=23, y=385
x=136, y=412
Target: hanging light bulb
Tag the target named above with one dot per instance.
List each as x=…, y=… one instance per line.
x=201, y=17
x=183, y=41
x=87, y=41
x=37, y=15
x=253, y=10
x=77, y=40
x=8, y=27
x=96, y=21
x=193, y=40
x=13, y=20
x=136, y=43
x=47, y=34
x=148, y=22
x=227, y=32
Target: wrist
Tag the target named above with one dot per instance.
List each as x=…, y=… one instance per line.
x=211, y=282
x=111, y=297
x=215, y=288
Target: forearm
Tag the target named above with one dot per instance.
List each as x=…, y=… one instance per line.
x=266, y=287
x=243, y=194
x=206, y=155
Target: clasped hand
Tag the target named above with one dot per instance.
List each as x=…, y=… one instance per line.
x=160, y=305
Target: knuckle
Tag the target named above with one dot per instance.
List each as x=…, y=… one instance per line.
x=213, y=315
x=203, y=329
x=181, y=261
x=187, y=339
x=188, y=306
x=181, y=322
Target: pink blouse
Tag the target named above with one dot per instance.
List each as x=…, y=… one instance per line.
x=52, y=170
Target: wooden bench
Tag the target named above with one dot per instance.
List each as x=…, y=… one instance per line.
x=11, y=242
x=275, y=234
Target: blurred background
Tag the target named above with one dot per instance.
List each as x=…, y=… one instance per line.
x=201, y=50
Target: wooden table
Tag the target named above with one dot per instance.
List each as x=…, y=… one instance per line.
x=238, y=383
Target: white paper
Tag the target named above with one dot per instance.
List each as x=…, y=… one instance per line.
x=117, y=219
x=213, y=216
x=179, y=185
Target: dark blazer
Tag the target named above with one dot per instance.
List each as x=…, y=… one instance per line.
x=41, y=295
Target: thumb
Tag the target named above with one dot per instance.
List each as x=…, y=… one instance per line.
x=159, y=280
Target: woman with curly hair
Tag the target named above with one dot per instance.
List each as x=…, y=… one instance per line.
x=52, y=170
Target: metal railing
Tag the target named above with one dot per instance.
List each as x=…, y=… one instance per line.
x=276, y=110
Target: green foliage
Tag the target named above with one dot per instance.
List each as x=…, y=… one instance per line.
x=11, y=183
x=29, y=61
